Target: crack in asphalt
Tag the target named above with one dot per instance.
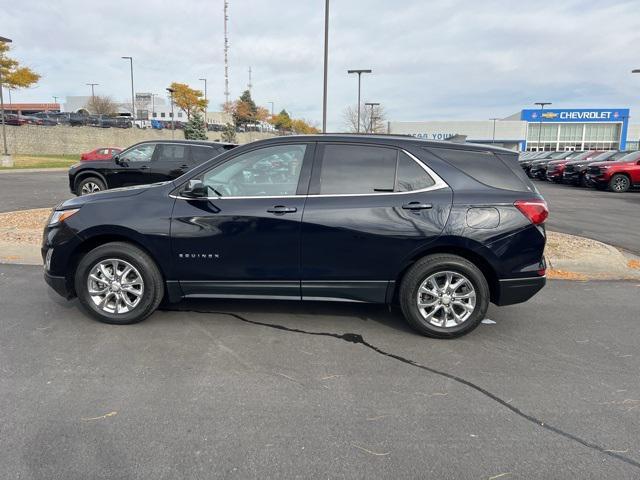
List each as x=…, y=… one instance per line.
x=359, y=339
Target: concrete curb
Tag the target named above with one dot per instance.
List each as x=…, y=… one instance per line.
x=32, y=170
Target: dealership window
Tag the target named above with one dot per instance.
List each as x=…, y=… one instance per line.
x=154, y=114
x=162, y=115
x=179, y=114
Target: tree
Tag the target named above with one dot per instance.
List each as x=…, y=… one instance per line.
x=244, y=109
x=195, y=128
x=12, y=75
x=368, y=123
x=229, y=133
x=303, y=127
x=282, y=121
x=101, y=105
x=188, y=99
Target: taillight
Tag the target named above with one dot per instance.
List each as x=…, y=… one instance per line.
x=535, y=210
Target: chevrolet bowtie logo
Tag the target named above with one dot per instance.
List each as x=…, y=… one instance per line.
x=549, y=115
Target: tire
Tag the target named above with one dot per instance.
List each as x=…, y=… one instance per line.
x=90, y=185
x=582, y=181
x=441, y=264
x=619, y=183
x=145, y=288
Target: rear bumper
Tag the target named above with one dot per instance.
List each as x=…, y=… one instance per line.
x=518, y=290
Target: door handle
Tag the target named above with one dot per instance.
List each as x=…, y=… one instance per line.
x=417, y=206
x=144, y=167
x=184, y=166
x=281, y=209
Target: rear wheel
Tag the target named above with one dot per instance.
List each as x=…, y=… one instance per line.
x=444, y=296
x=118, y=283
x=90, y=185
x=619, y=183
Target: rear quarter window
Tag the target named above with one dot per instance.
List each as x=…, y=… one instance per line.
x=497, y=170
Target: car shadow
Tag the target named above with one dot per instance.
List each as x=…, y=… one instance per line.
x=298, y=314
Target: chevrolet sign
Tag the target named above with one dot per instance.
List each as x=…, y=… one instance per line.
x=576, y=115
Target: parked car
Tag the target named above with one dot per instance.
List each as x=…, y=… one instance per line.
x=47, y=118
x=14, y=119
x=574, y=171
x=555, y=168
x=618, y=176
x=538, y=168
x=441, y=228
x=527, y=162
x=142, y=163
x=102, y=153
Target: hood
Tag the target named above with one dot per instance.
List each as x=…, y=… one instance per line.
x=611, y=164
x=109, y=195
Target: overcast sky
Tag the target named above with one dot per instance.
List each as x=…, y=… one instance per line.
x=431, y=60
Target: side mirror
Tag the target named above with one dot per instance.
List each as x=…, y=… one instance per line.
x=195, y=189
x=638, y=162
x=116, y=158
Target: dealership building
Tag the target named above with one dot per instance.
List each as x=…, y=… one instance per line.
x=535, y=129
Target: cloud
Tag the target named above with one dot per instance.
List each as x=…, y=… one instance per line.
x=431, y=60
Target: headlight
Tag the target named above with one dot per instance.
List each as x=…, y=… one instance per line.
x=605, y=166
x=59, y=216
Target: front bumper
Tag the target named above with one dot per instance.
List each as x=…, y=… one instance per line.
x=518, y=290
x=571, y=178
x=58, y=284
x=555, y=176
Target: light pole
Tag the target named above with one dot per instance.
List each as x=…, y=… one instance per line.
x=542, y=105
x=173, y=125
x=326, y=66
x=93, y=94
x=6, y=159
x=372, y=105
x=153, y=104
x=133, y=100
x=205, y=98
x=271, y=108
x=359, y=72
x=55, y=99
x=493, y=138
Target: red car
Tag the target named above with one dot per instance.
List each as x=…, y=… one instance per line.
x=555, y=168
x=104, y=153
x=616, y=176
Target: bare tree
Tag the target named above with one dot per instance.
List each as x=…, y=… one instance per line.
x=101, y=105
x=372, y=120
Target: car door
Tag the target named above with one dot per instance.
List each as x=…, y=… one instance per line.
x=170, y=161
x=133, y=166
x=244, y=238
x=369, y=208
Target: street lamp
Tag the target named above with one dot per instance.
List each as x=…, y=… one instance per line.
x=173, y=125
x=326, y=66
x=205, y=98
x=542, y=105
x=359, y=72
x=271, y=108
x=55, y=99
x=372, y=105
x=153, y=104
x=93, y=96
x=6, y=159
x=133, y=100
x=493, y=138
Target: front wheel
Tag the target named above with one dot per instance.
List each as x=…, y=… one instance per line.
x=90, y=185
x=444, y=296
x=118, y=283
x=619, y=183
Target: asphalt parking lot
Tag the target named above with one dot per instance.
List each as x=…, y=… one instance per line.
x=287, y=390
x=20, y=190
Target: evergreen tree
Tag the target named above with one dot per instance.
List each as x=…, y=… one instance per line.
x=195, y=128
x=229, y=133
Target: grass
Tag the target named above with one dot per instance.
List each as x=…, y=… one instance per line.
x=42, y=161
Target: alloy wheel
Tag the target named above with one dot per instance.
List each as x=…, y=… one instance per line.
x=446, y=299
x=115, y=286
x=620, y=184
x=89, y=187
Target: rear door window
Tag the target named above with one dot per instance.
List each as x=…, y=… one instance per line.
x=357, y=169
x=203, y=153
x=172, y=153
x=495, y=170
x=411, y=176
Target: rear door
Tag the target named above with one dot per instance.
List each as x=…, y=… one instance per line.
x=369, y=207
x=170, y=161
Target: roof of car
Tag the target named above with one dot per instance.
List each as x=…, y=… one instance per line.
x=192, y=142
x=382, y=138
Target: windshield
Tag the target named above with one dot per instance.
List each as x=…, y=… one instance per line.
x=629, y=157
x=604, y=156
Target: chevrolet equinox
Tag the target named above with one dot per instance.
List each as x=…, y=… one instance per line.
x=439, y=228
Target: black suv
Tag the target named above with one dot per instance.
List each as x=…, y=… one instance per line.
x=440, y=228
x=145, y=162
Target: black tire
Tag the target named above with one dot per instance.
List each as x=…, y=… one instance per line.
x=152, y=293
x=619, y=183
x=429, y=265
x=88, y=183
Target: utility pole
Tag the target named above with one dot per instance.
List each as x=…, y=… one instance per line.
x=133, y=98
x=205, y=99
x=153, y=104
x=271, y=108
x=249, y=85
x=359, y=72
x=7, y=161
x=371, y=123
x=493, y=138
x=92, y=85
x=542, y=105
x=55, y=99
x=226, y=52
x=173, y=125
x=326, y=66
